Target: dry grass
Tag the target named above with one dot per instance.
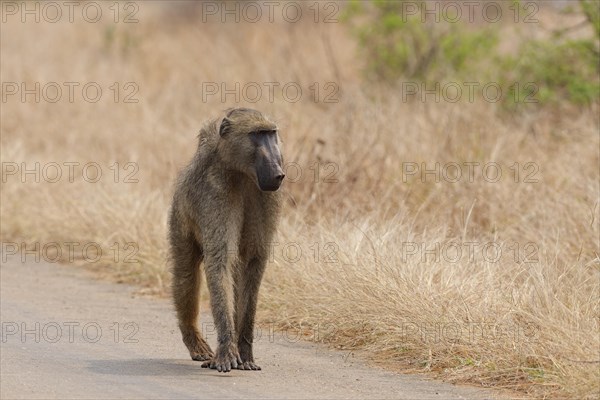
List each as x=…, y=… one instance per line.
x=530, y=324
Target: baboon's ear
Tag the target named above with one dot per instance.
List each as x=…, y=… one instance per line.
x=225, y=125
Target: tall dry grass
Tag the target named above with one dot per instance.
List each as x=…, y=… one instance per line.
x=528, y=321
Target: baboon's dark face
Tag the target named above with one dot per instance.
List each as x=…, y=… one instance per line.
x=250, y=144
x=268, y=163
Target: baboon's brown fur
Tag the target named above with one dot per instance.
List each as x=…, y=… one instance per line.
x=221, y=216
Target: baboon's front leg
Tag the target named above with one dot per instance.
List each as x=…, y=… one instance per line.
x=249, y=284
x=220, y=286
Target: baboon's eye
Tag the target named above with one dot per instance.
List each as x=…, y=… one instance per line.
x=270, y=134
x=264, y=136
x=265, y=132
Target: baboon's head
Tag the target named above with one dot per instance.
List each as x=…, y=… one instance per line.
x=249, y=143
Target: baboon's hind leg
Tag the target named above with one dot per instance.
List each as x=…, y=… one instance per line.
x=246, y=299
x=186, y=294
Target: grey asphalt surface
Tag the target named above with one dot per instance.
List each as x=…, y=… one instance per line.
x=68, y=336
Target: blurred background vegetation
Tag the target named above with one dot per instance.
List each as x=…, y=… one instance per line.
x=399, y=40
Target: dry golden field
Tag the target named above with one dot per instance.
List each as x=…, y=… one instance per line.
x=477, y=278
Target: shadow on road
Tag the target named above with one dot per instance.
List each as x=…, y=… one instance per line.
x=146, y=367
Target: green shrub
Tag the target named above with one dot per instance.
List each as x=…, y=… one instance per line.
x=564, y=71
x=540, y=71
x=397, y=45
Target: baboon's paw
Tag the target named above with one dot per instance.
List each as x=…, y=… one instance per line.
x=225, y=360
x=202, y=356
x=249, y=366
x=197, y=346
x=200, y=350
x=207, y=364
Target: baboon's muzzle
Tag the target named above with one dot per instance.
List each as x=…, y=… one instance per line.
x=268, y=163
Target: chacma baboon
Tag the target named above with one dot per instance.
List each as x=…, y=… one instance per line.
x=224, y=212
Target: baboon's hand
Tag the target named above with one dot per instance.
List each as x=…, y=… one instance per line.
x=226, y=359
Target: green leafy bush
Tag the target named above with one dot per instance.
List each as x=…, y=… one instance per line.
x=399, y=45
x=563, y=71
